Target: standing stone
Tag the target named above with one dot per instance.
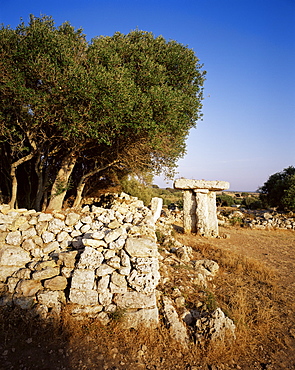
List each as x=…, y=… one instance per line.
x=199, y=205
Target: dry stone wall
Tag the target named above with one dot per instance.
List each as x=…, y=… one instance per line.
x=97, y=261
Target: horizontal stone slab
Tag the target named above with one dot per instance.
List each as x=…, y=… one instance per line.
x=201, y=184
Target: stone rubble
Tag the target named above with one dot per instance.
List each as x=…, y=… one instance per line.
x=89, y=259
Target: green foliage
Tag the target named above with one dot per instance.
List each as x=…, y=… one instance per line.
x=135, y=188
x=224, y=200
x=251, y=203
x=279, y=190
x=127, y=101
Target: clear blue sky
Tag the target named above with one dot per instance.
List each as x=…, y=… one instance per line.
x=248, y=51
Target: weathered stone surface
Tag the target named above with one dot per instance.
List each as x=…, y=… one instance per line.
x=49, y=298
x=45, y=217
x=119, y=280
x=56, y=225
x=47, y=273
x=90, y=258
x=94, y=243
x=68, y=258
x=56, y=283
x=83, y=279
x=13, y=256
x=28, y=288
x=141, y=247
x=114, y=262
x=47, y=236
x=135, y=300
x=143, y=317
x=176, y=327
x=103, y=283
x=72, y=218
x=201, y=184
x=105, y=298
x=156, y=207
x=50, y=247
x=114, y=234
x=14, y=238
x=104, y=270
x=29, y=233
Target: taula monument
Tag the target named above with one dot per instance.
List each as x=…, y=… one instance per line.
x=199, y=205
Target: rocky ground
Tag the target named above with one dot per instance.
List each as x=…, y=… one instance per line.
x=29, y=344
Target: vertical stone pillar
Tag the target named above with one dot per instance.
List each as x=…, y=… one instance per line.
x=212, y=214
x=189, y=211
x=199, y=205
x=202, y=214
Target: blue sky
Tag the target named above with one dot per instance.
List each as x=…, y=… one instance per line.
x=248, y=50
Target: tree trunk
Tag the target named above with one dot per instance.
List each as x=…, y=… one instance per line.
x=14, y=179
x=83, y=180
x=60, y=185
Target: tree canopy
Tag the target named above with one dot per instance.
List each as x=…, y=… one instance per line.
x=74, y=110
x=279, y=190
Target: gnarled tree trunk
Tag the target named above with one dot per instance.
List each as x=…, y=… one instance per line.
x=60, y=185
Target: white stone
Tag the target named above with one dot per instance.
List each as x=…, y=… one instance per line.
x=47, y=237
x=83, y=279
x=50, y=247
x=105, y=298
x=72, y=218
x=103, y=284
x=135, y=300
x=14, y=238
x=90, y=258
x=94, y=243
x=114, y=234
x=56, y=225
x=145, y=317
x=13, y=256
x=141, y=247
x=104, y=270
x=45, y=217
x=201, y=184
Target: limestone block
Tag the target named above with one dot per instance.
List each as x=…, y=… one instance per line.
x=56, y=283
x=189, y=211
x=156, y=207
x=135, y=300
x=28, y=288
x=13, y=256
x=29, y=233
x=114, y=234
x=94, y=243
x=100, y=234
x=50, y=247
x=83, y=279
x=90, y=258
x=86, y=219
x=125, y=260
x=41, y=227
x=104, y=270
x=118, y=243
x=114, y=225
x=88, y=311
x=44, y=264
x=124, y=270
x=145, y=265
x=24, y=273
x=143, y=282
x=201, y=184
x=75, y=233
x=105, y=298
x=141, y=247
x=28, y=244
x=114, y=262
x=45, y=217
x=67, y=272
x=33, y=221
x=84, y=298
x=72, y=218
x=103, y=283
x=14, y=238
x=49, y=298
x=144, y=317
x=47, y=273
x=118, y=280
x=117, y=289
x=177, y=328
x=47, y=236
x=68, y=258
x=56, y=225
x=109, y=253
x=12, y=283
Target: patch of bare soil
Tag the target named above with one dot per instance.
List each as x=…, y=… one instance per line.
x=255, y=287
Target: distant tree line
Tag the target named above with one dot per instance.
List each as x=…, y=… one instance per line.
x=74, y=113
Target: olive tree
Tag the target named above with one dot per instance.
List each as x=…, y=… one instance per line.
x=73, y=109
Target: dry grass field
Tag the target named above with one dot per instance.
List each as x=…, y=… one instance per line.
x=255, y=287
